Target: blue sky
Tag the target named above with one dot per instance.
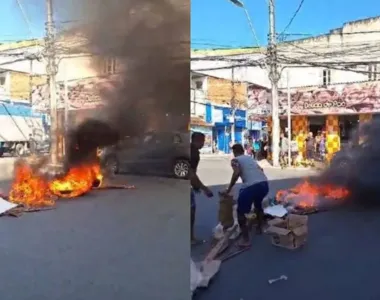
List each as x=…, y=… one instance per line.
x=218, y=23
x=12, y=24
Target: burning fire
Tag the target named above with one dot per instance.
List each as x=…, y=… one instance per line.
x=307, y=195
x=32, y=190
x=78, y=181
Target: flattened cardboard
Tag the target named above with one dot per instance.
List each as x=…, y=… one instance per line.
x=296, y=220
x=278, y=231
x=283, y=241
x=290, y=233
x=277, y=222
x=300, y=231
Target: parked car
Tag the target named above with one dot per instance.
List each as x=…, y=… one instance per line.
x=156, y=153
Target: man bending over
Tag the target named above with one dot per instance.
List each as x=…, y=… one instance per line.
x=254, y=189
x=197, y=143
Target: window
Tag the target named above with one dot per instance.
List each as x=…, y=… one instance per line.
x=109, y=66
x=326, y=77
x=2, y=81
x=198, y=85
x=372, y=72
x=192, y=107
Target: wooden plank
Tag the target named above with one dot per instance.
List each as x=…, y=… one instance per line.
x=220, y=245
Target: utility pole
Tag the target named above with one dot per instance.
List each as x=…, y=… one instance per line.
x=51, y=72
x=233, y=105
x=274, y=78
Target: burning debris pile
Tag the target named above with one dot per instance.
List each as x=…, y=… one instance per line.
x=307, y=197
x=33, y=191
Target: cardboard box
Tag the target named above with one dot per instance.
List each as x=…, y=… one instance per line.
x=290, y=232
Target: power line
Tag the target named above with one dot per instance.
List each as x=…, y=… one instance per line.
x=25, y=16
x=292, y=19
x=326, y=66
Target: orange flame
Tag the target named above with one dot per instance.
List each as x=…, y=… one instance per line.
x=31, y=190
x=306, y=194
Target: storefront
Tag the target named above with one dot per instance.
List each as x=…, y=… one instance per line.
x=223, y=122
x=337, y=112
x=199, y=125
x=256, y=126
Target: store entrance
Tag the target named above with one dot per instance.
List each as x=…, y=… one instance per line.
x=317, y=124
x=347, y=126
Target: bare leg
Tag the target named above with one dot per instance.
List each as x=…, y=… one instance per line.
x=245, y=242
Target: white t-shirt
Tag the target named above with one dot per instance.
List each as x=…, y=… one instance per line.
x=251, y=172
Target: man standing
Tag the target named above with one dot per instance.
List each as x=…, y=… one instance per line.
x=310, y=147
x=254, y=190
x=284, y=149
x=197, y=143
x=32, y=144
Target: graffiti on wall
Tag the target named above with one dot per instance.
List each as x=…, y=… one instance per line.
x=352, y=98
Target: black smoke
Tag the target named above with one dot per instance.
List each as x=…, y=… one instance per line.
x=361, y=175
x=150, y=91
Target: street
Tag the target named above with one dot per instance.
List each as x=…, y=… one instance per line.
x=116, y=244
x=339, y=261
x=134, y=244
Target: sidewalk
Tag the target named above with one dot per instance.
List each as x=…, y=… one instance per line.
x=216, y=155
x=265, y=164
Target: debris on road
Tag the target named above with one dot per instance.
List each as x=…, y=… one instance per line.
x=31, y=191
x=202, y=273
x=115, y=187
x=20, y=210
x=290, y=233
x=282, y=277
x=308, y=198
x=278, y=211
x=6, y=206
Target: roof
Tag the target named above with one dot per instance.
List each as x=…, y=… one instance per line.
x=21, y=44
x=226, y=52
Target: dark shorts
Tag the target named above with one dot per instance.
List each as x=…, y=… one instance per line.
x=192, y=199
x=309, y=154
x=253, y=194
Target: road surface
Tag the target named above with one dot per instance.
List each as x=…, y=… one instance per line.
x=340, y=261
x=134, y=244
x=119, y=244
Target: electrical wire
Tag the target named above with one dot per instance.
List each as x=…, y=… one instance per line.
x=324, y=65
x=292, y=19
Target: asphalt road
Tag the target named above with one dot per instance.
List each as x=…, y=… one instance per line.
x=340, y=261
x=134, y=244
x=117, y=244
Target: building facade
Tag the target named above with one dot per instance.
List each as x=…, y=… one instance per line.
x=214, y=103
x=334, y=81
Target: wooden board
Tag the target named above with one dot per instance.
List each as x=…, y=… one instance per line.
x=221, y=245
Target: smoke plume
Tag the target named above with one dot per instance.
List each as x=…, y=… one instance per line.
x=150, y=91
x=360, y=174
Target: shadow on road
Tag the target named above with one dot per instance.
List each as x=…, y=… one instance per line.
x=343, y=246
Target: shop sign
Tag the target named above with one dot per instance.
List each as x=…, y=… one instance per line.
x=328, y=104
x=343, y=99
x=217, y=115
